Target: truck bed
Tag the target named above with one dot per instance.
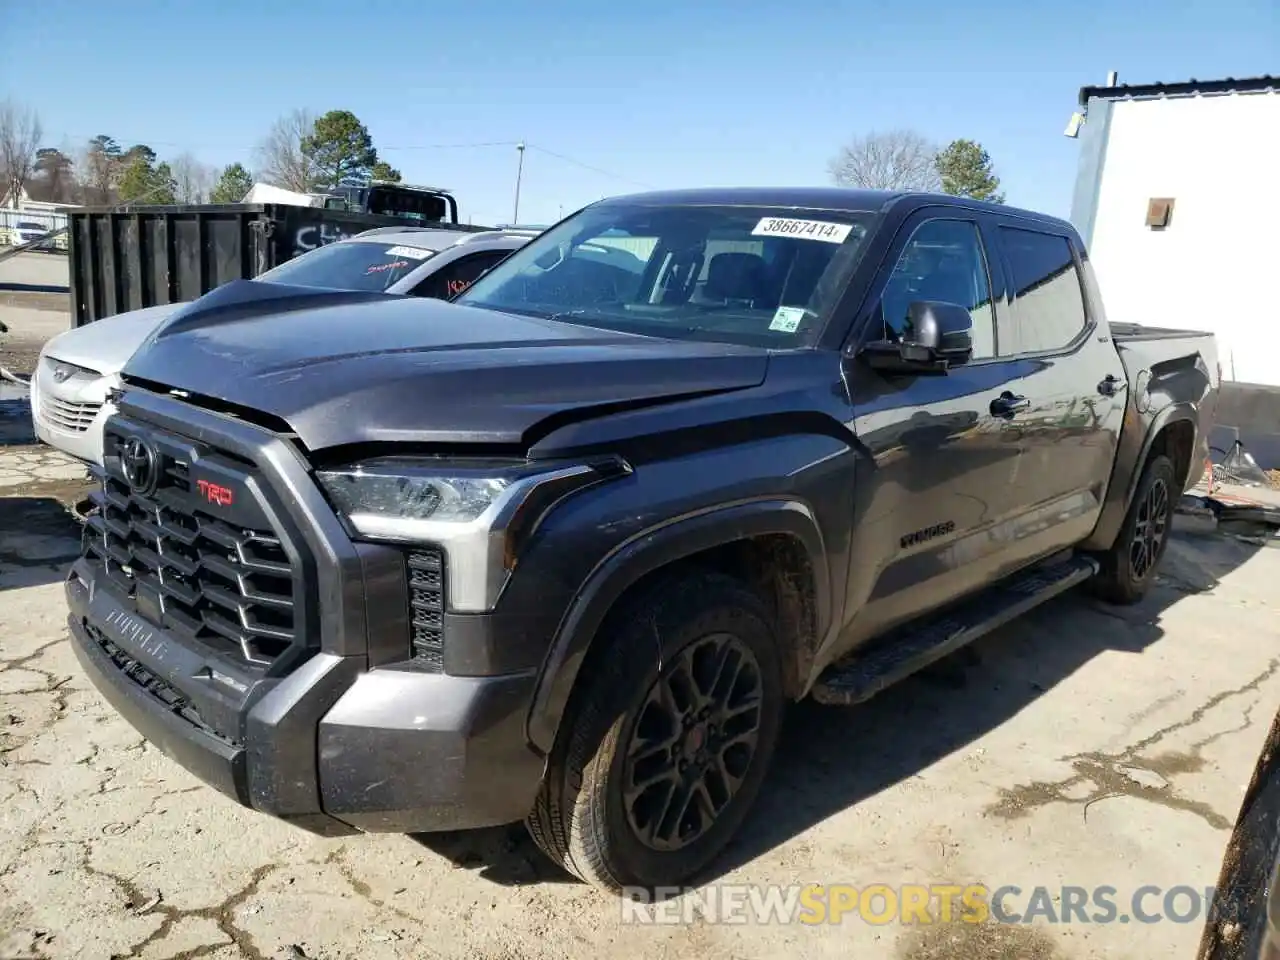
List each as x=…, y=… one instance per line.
x=1122, y=332
x=1165, y=368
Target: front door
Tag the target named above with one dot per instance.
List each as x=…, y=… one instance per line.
x=932, y=508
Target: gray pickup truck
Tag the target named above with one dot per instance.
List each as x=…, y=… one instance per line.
x=561, y=550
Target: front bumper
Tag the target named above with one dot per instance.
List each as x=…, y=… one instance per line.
x=332, y=747
x=345, y=731
x=71, y=416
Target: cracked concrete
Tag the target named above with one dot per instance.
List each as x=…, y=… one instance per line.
x=1134, y=772
x=1083, y=745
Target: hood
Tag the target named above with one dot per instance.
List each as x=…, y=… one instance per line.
x=342, y=371
x=106, y=345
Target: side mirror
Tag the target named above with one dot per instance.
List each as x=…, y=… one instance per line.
x=938, y=335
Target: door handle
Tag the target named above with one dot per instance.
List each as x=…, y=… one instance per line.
x=1111, y=385
x=1007, y=404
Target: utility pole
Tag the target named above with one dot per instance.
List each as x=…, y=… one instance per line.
x=515, y=214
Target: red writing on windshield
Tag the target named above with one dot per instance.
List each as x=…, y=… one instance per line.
x=457, y=286
x=393, y=265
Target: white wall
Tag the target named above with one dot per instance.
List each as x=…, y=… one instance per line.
x=1217, y=265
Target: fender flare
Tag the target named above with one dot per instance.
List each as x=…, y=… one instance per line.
x=1117, y=507
x=1174, y=413
x=649, y=550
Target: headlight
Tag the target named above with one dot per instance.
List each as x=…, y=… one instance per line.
x=477, y=513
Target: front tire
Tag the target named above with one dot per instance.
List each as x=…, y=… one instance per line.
x=657, y=769
x=1129, y=568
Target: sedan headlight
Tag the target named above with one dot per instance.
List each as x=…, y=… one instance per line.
x=477, y=513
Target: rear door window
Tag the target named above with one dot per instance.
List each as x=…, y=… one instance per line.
x=453, y=278
x=1048, y=301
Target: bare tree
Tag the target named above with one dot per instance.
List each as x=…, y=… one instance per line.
x=895, y=160
x=20, y=133
x=192, y=179
x=280, y=156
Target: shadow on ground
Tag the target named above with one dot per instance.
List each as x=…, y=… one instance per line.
x=506, y=855
x=13, y=286
x=832, y=758
x=15, y=415
x=39, y=537
x=941, y=710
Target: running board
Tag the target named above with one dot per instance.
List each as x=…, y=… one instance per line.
x=902, y=652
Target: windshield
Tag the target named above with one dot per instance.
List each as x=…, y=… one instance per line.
x=354, y=265
x=751, y=275
x=30, y=226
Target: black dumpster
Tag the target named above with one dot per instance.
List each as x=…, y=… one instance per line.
x=144, y=256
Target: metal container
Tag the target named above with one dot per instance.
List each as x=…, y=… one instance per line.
x=128, y=259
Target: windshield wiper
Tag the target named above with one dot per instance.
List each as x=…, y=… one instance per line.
x=578, y=312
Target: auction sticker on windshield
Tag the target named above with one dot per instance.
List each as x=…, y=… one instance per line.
x=802, y=229
x=414, y=253
x=787, y=319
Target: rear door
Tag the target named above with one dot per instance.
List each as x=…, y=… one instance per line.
x=1068, y=414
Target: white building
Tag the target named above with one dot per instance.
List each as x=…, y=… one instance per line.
x=1178, y=199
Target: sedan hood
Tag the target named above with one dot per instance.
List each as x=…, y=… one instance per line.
x=106, y=345
x=340, y=370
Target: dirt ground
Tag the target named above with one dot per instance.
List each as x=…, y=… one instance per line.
x=32, y=319
x=1083, y=746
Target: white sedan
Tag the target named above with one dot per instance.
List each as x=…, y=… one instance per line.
x=78, y=369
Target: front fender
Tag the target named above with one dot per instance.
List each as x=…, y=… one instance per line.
x=649, y=550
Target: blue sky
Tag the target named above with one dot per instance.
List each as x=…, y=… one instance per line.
x=648, y=93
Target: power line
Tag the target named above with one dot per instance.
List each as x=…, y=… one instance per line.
x=243, y=147
x=450, y=146
x=485, y=144
x=587, y=166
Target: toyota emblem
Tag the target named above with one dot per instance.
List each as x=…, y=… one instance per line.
x=62, y=373
x=138, y=463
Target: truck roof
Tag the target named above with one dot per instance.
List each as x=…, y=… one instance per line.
x=436, y=239
x=824, y=198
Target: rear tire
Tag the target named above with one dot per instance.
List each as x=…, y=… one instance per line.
x=655, y=771
x=1129, y=568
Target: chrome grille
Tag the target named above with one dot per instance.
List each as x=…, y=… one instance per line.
x=220, y=583
x=426, y=607
x=75, y=417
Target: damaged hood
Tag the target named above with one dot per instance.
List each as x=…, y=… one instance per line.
x=106, y=345
x=344, y=368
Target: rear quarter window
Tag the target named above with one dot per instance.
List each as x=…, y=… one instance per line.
x=1048, y=301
